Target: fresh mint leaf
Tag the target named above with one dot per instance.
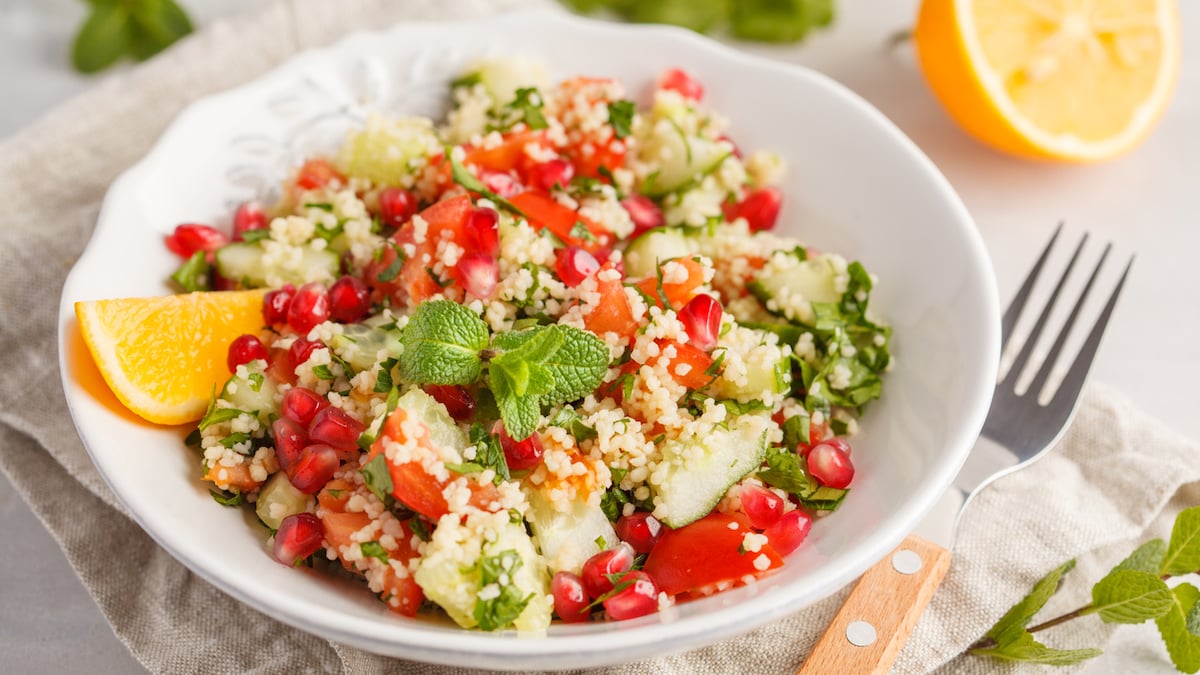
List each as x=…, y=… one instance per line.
x=526, y=107
x=378, y=477
x=569, y=419
x=465, y=178
x=612, y=502
x=1146, y=558
x=393, y=269
x=235, y=438
x=519, y=409
x=194, y=274
x=578, y=366
x=1011, y=627
x=225, y=498
x=464, y=468
x=383, y=380
x=488, y=452
x=1183, y=552
x=217, y=415
x=1130, y=596
x=441, y=343
x=322, y=372
x=104, y=38
x=1025, y=649
x=419, y=528
x=796, y=431
x=157, y=24
x=620, y=116
x=778, y=20
x=1193, y=620
x=373, y=549
x=1182, y=645
x=502, y=610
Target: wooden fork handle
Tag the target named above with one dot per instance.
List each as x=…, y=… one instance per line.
x=881, y=612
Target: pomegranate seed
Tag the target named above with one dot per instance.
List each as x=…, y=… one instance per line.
x=760, y=209
x=639, y=598
x=276, y=303
x=789, y=531
x=644, y=213
x=478, y=273
x=301, y=350
x=519, y=455
x=309, y=308
x=574, y=265
x=248, y=216
x=549, y=174
x=336, y=428
x=701, y=318
x=483, y=230
x=640, y=530
x=830, y=465
x=396, y=206
x=605, y=255
x=675, y=79
x=290, y=439
x=300, y=405
x=501, y=183
x=839, y=443
x=189, y=238
x=299, y=536
x=313, y=469
x=457, y=399
x=596, y=570
x=570, y=600
x=220, y=283
x=760, y=505
x=349, y=299
x=244, y=349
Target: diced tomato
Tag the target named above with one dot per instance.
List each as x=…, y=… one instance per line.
x=317, y=173
x=677, y=293
x=705, y=553
x=417, y=488
x=589, y=156
x=678, y=80
x=544, y=212
x=406, y=593
x=236, y=478
x=510, y=154
x=413, y=283
x=697, y=360
x=339, y=527
x=613, y=314
x=335, y=494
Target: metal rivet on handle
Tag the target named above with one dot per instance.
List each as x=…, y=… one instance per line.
x=906, y=562
x=860, y=634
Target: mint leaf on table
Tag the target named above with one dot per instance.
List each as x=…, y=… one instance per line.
x=1145, y=558
x=441, y=343
x=1130, y=596
x=1023, y=647
x=104, y=37
x=1011, y=626
x=778, y=20
x=1183, y=552
x=157, y=24
x=1182, y=645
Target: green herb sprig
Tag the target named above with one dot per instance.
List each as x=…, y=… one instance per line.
x=447, y=343
x=119, y=28
x=1133, y=592
x=758, y=20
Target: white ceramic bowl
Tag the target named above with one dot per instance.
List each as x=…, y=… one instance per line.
x=855, y=185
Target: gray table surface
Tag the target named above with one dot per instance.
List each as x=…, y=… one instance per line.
x=1142, y=202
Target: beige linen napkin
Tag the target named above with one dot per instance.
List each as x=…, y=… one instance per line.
x=1116, y=479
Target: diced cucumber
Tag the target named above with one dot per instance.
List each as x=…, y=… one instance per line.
x=767, y=371
x=279, y=499
x=680, y=158
x=360, y=344
x=791, y=291
x=444, y=432
x=502, y=77
x=567, y=539
x=388, y=150
x=255, y=393
x=656, y=246
x=243, y=262
x=450, y=576
x=700, y=469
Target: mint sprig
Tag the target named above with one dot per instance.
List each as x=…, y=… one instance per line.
x=447, y=343
x=119, y=28
x=1134, y=591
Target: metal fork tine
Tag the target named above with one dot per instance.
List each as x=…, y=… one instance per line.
x=1043, y=373
x=1027, y=350
x=1009, y=320
x=1068, y=392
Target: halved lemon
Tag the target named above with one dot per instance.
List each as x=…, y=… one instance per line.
x=163, y=356
x=1072, y=80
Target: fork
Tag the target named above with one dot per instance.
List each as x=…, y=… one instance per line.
x=877, y=617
